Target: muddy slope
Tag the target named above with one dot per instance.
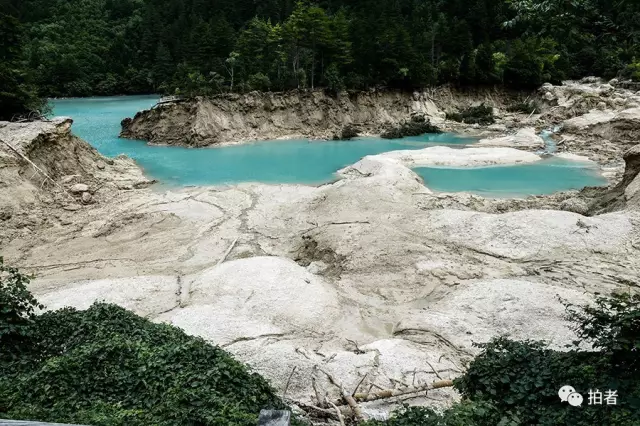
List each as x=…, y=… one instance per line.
x=45, y=168
x=234, y=118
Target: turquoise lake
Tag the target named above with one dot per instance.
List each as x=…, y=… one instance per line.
x=97, y=120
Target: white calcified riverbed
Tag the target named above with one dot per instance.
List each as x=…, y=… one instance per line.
x=371, y=275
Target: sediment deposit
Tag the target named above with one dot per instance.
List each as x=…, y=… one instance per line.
x=371, y=275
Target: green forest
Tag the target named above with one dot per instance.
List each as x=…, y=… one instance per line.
x=107, y=47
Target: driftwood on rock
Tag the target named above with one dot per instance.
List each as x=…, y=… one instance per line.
x=390, y=393
x=36, y=168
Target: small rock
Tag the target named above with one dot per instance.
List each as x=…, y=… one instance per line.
x=274, y=418
x=100, y=165
x=349, y=131
x=549, y=96
x=79, y=188
x=86, y=198
x=5, y=215
x=614, y=81
x=574, y=205
x=590, y=80
x=67, y=179
x=601, y=106
x=72, y=207
x=317, y=268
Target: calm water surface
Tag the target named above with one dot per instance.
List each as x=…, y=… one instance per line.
x=544, y=177
x=97, y=120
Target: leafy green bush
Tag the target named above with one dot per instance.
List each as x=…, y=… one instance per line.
x=516, y=383
x=259, y=81
x=481, y=114
x=633, y=70
x=17, y=309
x=108, y=366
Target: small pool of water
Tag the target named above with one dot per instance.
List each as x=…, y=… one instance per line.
x=543, y=177
x=97, y=120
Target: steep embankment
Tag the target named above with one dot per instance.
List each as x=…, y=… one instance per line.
x=627, y=193
x=263, y=116
x=43, y=166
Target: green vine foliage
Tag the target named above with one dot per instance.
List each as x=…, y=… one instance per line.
x=108, y=366
x=516, y=383
x=17, y=309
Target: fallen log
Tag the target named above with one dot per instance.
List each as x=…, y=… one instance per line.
x=390, y=393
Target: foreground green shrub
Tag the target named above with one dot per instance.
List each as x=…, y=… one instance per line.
x=516, y=383
x=108, y=366
x=17, y=310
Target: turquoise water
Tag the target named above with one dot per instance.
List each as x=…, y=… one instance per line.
x=97, y=120
x=544, y=177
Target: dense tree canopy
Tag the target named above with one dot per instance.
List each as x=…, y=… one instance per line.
x=91, y=47
x=18, y=96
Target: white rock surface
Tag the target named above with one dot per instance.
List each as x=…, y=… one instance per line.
x=79, y=188
x=467, y=157
x=250, y=297
x=588, y=120
x=527, y=233
x=144, y=295
x=524, y=138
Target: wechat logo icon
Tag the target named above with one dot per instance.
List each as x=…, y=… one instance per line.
x=569, y=394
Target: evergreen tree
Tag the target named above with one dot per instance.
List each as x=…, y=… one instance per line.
x=17, y=95
x=81, y=47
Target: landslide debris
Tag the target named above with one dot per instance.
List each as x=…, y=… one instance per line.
x=417, y=125
x=44, y=166
x=625, y=195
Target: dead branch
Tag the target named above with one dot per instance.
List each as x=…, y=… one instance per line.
x=315, y=389
x=359, y=383
x=36, y=168
x=321, y=412
x=390, y=393
x=286, y=388
x=357, y=411
x=226, y=254
x=338, y=412
x=357, y=351
x=434, y=370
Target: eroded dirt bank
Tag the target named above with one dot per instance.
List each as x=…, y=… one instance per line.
x=234, y=118
x=371, y=275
